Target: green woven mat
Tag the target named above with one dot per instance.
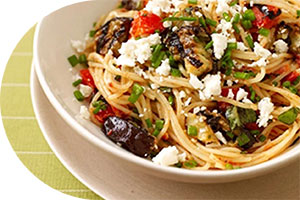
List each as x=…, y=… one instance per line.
x=23, y=130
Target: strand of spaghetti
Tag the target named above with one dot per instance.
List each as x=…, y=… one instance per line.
x=170, y=82
x=236, y=103
x=259, y=77
x=244, y=55
x=179, y=110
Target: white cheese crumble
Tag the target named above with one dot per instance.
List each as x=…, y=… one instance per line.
x=168, y=156
x=241, y=46
x=266, y=107
x=84, y=113
x=222, y=7
x=220, y=137
x=163, y=6
x=140, y=72
x=261, y=52
x=85, y=90
x=154, y=86
x=188, y=101
x=195, y=82
x=225, y=27
x=212, y=85
x=196, y=110
x=229, y=83
x=167, y=24
x=137, y=50
x=241, y=94
x=281, y=46
x=182, y=94
x=220, y=44
x=78, y=45
x=230, y=94
x=164, y=69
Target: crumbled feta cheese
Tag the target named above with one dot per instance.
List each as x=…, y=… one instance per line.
x=78, y=45
x=175, y=28
x=167, y=156
x=188, y=101
x=137, y=50
x=212, y=85
x=230, y=94
x=85, y=90
x=182, y=157
x=225, y=27
x=241, y=46
x=222, y=7
x=167, y=24
x=281, y=46
x=140, y=72
x=220, y=137
x=266, y=107
x=251, y=3
x=220, y=44
x=164, y=69
x=198, y=14
x=195, y=82
x=182, y=94
x=196, y=110
x=84, y=113
x=241, y=94
x=141, y=115
x=246, y=100
x=203, y=108
x=261, y=52
x=154, y=86
x=158, y=6
x=229, y=83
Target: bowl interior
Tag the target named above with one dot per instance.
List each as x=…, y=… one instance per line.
x=52, y=47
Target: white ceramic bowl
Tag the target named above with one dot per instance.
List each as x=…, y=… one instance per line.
x=51, y=50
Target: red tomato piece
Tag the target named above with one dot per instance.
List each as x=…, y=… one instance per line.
x=283, y=69
x=87, y=78
x=225, y=91
x=298, y=59
x=223, y=106
x=102, y=115
x=292, y=76
x=145, y=24
x=262, y=20
x=252, y=126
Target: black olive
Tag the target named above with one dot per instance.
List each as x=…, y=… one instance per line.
x=131, y=137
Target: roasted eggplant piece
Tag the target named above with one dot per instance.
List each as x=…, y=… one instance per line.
x=112, y=34
x=132, y=4
x=216, y=121
x=131, y=137
x=283, y=32
x=182, y=44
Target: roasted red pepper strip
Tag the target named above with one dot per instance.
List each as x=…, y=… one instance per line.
x=292, y=76
x=262, y=20
x=252, y=126
x=102, y=115
x=223, y=106
x=145, y=24
x=87, y=78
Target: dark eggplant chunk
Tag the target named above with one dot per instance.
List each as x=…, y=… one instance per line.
x=132, y=4
x=112, y=34
x=216, y=121
x=182, y=43
x=133, y=138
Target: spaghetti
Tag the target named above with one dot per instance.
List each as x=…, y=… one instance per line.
x=216, y=83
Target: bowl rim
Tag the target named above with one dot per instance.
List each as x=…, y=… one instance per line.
x=274, y=163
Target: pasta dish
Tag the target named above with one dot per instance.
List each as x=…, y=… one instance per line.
x=195, y=84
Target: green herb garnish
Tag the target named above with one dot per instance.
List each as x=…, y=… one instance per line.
x=211, y=22
x=76, y=83
x=243, y=139
x=78, y=95
x=192, y=131
x=250, y=41
x=73, y=60
x=289, y=116
x=190, y=164
x=264, y=32
x=137, y=90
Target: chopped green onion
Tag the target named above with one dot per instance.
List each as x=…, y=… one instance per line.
x=250, y=41
x=175, y=72
x=211, y=22
x=233, y=3
x=76, y=83
x=149, y=123
x=232, y=46
x=249, y=15
x=97, y=103
x=99, y=107
x=243, y=75
x=243, y=139
x=92, y=33
x=180, y=19
x=73, y=60
x=172, y=61
x=264, y=32
x=171, y=100
x=255, y=132
x=192, y=131
x=286, y=84
x=78, y=95
x=226, y=17
x=247, y=24
x=293, y=89
x=236, y=28
x=82, y=59
x=156, y=132
x=190, y=164
x=298, y=14
x=262, y=138
x=228, y=166
x=209, y=45
x=193, y=1
x=159, y=59
x=289, y=116
x=230, y=134
x=156, y=51
x=157, y=31
x=236, y=18
x=202, y=21
x=159, y=124
x=252, y=94
x=137, y=90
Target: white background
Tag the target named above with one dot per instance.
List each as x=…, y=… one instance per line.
x=16, y=17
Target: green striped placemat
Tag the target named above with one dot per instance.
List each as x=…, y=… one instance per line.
x=23, y=130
